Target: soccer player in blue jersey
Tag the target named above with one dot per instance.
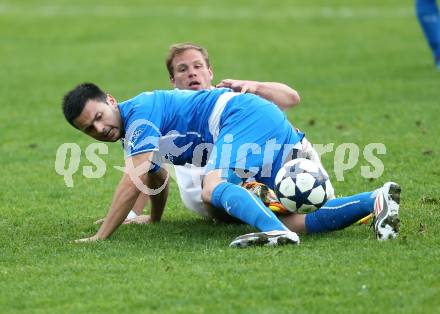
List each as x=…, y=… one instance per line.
x=429, y=19
x=189, y=68
x=178, y=126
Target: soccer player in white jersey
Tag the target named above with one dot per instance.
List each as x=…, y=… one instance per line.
x=178, y=126
x=189, y=68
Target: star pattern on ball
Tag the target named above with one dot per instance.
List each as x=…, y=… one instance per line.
x=302, y=186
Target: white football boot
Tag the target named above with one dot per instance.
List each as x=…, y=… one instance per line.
x=386, y=211
x=270, y=238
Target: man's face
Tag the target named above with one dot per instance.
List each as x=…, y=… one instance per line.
x=100, y=120
x=191, y=71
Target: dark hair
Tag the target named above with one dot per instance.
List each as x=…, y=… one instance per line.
x=75, y=100
x=177, y=49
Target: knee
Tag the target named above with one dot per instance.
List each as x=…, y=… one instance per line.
x=210, y=182
x=206, y=194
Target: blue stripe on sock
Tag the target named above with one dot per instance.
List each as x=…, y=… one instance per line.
x=339, y=213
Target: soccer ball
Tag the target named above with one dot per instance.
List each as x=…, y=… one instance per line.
x=302, y=186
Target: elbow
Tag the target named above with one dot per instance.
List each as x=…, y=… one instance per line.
x=293, y=100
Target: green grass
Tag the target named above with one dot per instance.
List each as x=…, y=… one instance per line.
x=365, y=75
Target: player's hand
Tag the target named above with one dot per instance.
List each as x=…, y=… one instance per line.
x=239, y=85
x=140, y=220
x=90, y=239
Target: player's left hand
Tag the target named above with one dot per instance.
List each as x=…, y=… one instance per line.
x=141, y=220
x=239, y=86
x=90, y=239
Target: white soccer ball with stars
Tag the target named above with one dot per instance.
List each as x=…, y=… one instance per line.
x=302, y=186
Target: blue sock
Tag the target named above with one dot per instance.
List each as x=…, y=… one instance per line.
x=242, y=204
x=429, y=19
x=340, y=212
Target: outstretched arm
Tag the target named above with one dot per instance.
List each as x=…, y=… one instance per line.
x=280, y=94
x=127, y=191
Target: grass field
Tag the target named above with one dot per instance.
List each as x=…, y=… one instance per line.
x=365, y=75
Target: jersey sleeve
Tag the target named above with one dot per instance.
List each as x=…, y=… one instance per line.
x=142, y=129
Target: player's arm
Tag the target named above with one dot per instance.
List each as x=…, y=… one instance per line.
x=140, y=204
x=280, y=94
x=127, y=191
x=154, y=181
x=157, y=181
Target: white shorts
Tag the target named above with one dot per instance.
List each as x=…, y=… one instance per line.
x=189, y=180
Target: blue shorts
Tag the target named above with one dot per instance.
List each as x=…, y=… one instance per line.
x=254, y=139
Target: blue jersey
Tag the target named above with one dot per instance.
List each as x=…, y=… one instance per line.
x=245, y=132
x=175, y=121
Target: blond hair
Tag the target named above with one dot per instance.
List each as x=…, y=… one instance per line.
x=177, y=49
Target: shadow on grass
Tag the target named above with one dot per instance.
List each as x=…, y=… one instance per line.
x=182, y=232
x=199, y=232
